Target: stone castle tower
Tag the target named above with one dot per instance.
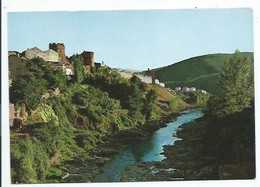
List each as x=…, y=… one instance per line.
x=88, y=58
x=60, y=49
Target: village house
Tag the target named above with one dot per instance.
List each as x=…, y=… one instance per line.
x=177, y=89
x=192, y=89
x=69, y=71
x=185, y=89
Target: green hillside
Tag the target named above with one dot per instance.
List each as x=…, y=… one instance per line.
x=202, y=72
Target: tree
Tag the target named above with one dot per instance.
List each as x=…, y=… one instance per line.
x=28, y=90
x=149, y=103
x=78, y=68
x=236, y=83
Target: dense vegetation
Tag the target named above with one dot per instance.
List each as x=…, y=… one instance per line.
x=70, y=124
x=202, y=72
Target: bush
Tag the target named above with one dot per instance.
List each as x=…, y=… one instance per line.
x=29, y=161
x=174, y=104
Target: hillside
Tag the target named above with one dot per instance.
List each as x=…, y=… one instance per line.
x=164, y=98
x=202, y=72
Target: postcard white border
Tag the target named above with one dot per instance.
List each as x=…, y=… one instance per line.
x=80, y=5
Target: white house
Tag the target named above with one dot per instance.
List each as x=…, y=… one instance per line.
x=192, y=89
x=161, y=84
x=69, y=71
x=177, y=89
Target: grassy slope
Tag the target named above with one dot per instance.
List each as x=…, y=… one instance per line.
x=164, y=96
x=202, y=72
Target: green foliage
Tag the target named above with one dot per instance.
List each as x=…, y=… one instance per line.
x=86, y=139
x=27, y=90
x=237, y=87
x=155, y=115
x=149, y=104
x=43, y=114
x=197, y=98
x=28, y=160
x=70, y=125
x=58, y=108
x=40, y=77
x=102, y=112
x=174, y=104
x=131, y=93
x=57, y=139
x=202, y=72
x=78, y=68
x=41, y=162
x=42, y=70
x=54, y=175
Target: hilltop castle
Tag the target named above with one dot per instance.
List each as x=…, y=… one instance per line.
x=56, y=53
x=55, y=56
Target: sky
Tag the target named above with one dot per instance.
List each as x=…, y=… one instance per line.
x=135, y=39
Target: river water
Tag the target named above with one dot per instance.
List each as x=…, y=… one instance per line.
x=148, y=150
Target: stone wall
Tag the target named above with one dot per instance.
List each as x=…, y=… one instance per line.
x=17, y=65
x=33, y=53
x=51, y=56
x=60, y=49
x=88, y=58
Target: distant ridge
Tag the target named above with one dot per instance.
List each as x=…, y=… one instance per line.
x=202, y=72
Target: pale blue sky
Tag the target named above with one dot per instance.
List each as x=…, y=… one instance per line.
x=135, y=39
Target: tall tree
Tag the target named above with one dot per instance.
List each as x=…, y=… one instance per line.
x=236, y=83
x=149, y=103
x=78, y=68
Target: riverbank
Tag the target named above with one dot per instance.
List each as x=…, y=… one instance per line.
x=185, y=160
x=207, y=150
x=79, y=170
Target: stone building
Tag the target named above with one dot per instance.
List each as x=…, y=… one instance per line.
x=60, y=49
x=49, y=55
x=88, y=58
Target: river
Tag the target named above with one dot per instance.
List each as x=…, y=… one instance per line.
x=148, y=150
